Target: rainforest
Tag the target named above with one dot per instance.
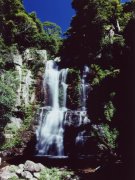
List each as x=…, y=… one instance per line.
x=67, y=100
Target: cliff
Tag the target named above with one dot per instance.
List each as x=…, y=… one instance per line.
x=28, y=68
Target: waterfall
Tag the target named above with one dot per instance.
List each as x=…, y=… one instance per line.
x=54, y=117
x=51, y=126
x=63, y=75
x=84, y=88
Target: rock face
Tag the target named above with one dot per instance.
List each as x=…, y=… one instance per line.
x=27, y=83
x=26, y=88
x=31, y=54
x=76, y=118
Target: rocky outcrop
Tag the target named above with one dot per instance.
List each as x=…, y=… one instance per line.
x=29, y=170
x=76, y=118
x=28, y=88
x=33, y=171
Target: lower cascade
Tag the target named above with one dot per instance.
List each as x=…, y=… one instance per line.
x=55, y=120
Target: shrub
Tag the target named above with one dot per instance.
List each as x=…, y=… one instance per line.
x=106, y=135
x=17, y=136
x=55, y=174
x=109, y=111
x=73, y=81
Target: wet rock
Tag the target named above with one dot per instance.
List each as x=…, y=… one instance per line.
x=42, y=167
x=17, y=122
x=5, y=173
x=57, y=59
x=0, y=160
x=19, y=171
x=21, y=166
x=13, y=168
x=76, y=118
x=27, y=175
x=6, y=168
x=31, y=166
x=17, y=59
x=37, y=175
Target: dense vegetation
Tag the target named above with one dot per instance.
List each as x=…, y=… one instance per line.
x=19, y=31
x=102, y=37
x=25, y=30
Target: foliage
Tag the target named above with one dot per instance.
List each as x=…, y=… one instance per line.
x=110, y=136
x=17, y=135
x=25, y=29
x=14, y=178
x=100, y=74
x=10, y=78
x=37, y=61
x=53, y=35
x=8, y=85
x=73, y=81
x=11, y=128
x=7, y=95
x=86, y=36
x=6, y=57
x=101, y=35
x=52, y=29
x=106, y=136
x=55, y=174
x=109, y=111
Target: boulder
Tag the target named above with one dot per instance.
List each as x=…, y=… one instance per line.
x=21, y=166
x=17, y=122
x=17, y=59
x=7, y=173
x=13, y=168
x=36, y=175
x=42, y=167
x=19, y=171
x=27, y=175
x=32, y=167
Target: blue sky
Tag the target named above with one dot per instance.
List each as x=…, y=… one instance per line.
x=58, y=11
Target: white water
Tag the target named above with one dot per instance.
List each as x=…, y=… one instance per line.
x=54, y=116
x=63, y=75
x=51, y=127
x=84, y=88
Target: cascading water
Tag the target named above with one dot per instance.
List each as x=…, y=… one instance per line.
x=63, y=76
x=51, y=127
x=85, y=87
x=54, y=117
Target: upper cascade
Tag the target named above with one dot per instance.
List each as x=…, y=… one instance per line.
x=85, y=87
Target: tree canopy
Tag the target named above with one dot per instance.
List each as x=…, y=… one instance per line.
x=92, y=28
x=26, y=30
